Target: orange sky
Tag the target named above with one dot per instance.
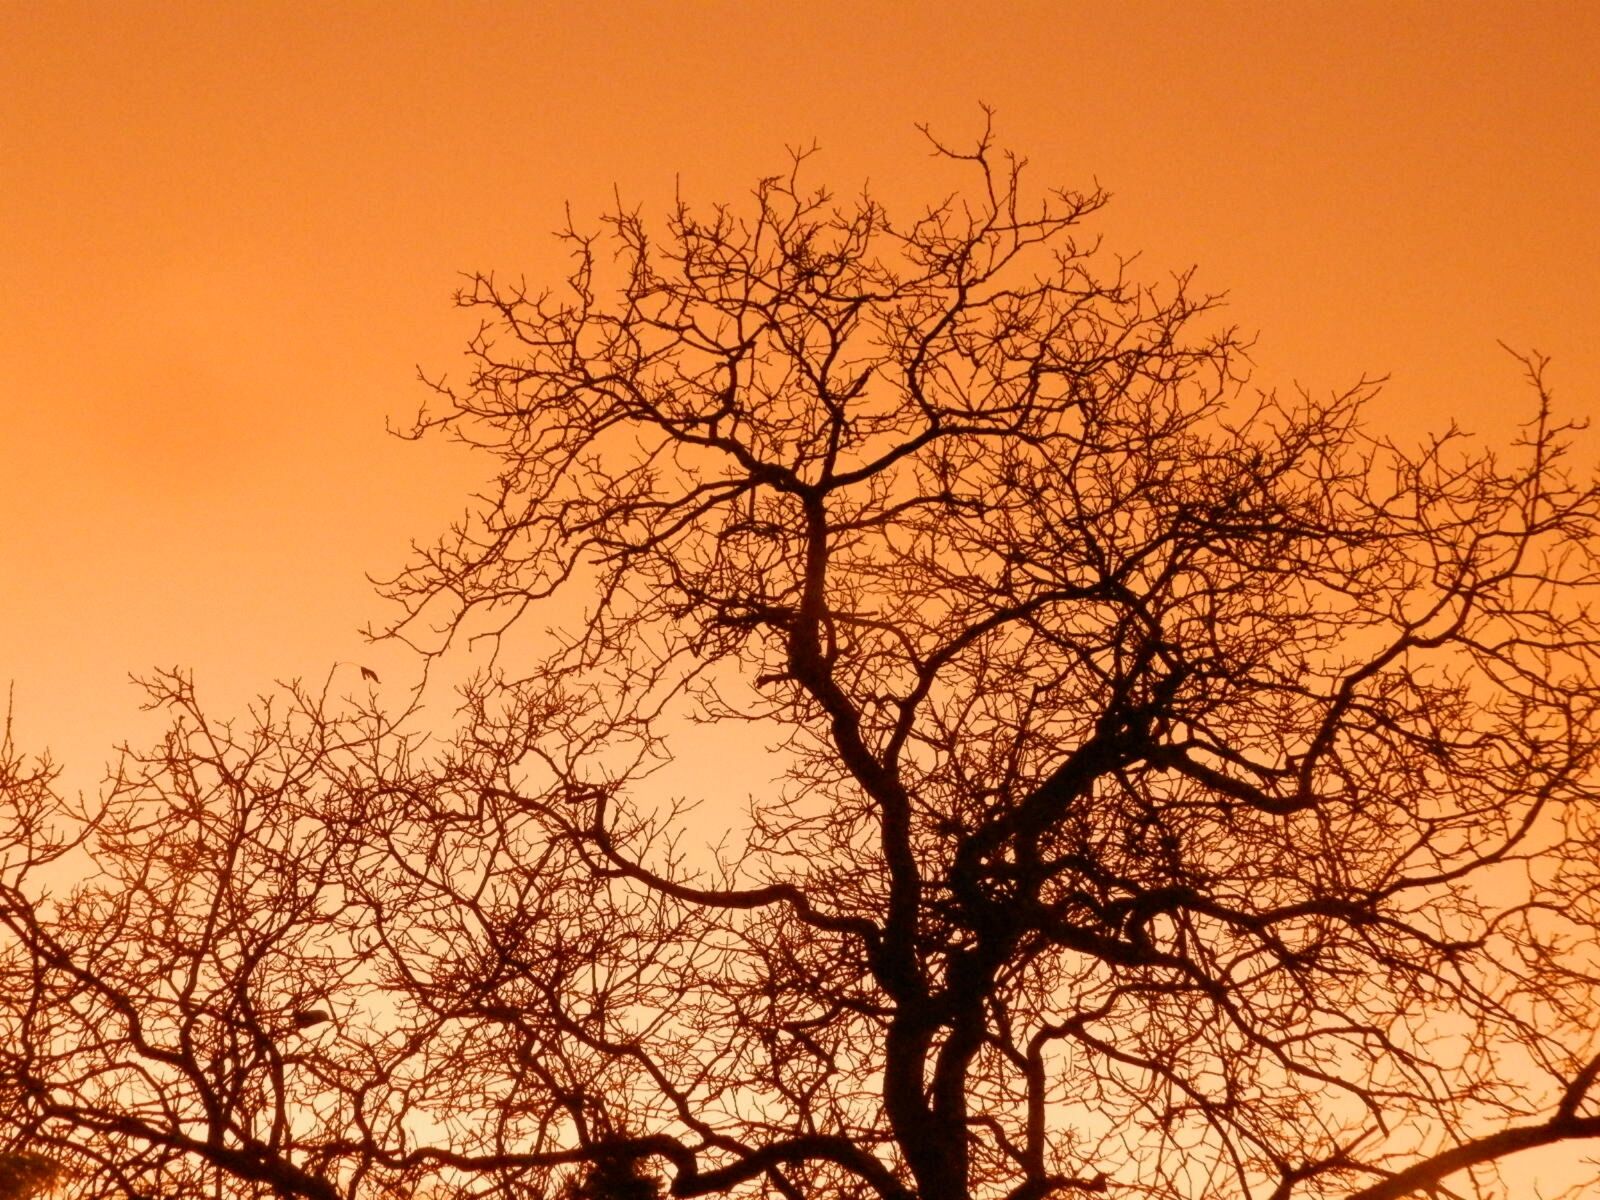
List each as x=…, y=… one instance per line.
x=231, y=231
x=228, y=234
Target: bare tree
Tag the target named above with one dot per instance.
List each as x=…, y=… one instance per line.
x=24, y=1175
x=1177, y=791
x=167, y=1017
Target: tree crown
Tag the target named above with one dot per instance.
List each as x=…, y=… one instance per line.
x=1176, y=790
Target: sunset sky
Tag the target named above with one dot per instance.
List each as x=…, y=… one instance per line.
x=230, y=233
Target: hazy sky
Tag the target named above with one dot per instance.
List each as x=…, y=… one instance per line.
x=230, y=233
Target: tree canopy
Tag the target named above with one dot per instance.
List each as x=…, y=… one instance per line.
x=1171, y=790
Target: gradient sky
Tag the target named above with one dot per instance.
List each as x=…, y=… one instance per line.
x=229, y=234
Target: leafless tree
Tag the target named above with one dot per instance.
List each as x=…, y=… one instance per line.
x=1176, y=791
x=169, y=1017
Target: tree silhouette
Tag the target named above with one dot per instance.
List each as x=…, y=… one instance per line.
x=1172, y=791
x=614, y=1178
x=24, y=1175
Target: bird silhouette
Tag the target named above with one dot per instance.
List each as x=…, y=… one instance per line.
x=369, y=674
